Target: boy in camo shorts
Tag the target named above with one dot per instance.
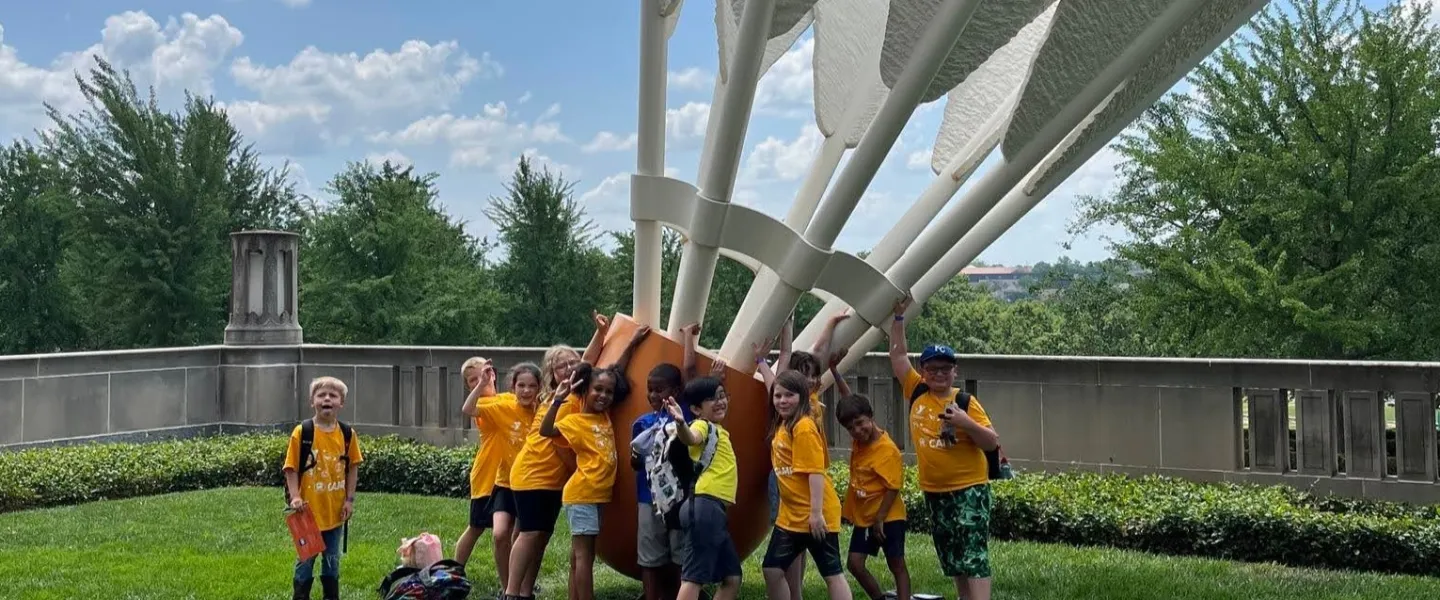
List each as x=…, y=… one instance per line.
x=950, y=447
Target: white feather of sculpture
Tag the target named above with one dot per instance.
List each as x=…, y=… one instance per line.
x=986, y=93
x=991, y=27
x=727, y=29
x=846, y=66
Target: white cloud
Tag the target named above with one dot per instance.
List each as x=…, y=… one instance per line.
x=393, y=157
x=685, y=126
x=606, y=141
x=525, y=97
x=692, y=78
x=1434, y=6
x=295, y=3
x=918, y=160
x=419, y=76
x=479, y=139
x=608, y=203
x=790, y=160
x=180, y=55
x=684, y=130
x=293, y=128
x=538, y=162
x=787, y=89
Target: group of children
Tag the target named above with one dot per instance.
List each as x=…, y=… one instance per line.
x=548, y=445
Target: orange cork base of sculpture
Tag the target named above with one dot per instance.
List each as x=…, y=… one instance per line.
x=746, y=421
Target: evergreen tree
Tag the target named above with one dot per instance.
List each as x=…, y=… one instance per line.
x=552, y=272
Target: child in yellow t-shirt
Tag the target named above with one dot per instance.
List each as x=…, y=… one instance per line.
x=950, y=446
x=324, y=481
x=809, y=517
x=502, y=420
x=591, y=436
x=711, y=556
x=873, y=505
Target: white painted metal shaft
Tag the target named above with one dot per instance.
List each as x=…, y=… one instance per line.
x=957, y=222
x=724, y=143
x=953, y=225
x=1018, y=202
x=831, y=151
x=930, y=52
x=650, y=157
x=941, y=189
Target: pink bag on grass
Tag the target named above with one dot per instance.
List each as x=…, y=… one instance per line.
x=420, y=551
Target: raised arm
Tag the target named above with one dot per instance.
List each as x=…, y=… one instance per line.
x=682, y=431
x=822, y=341
x=691, y=335
x=899, y=356
x=624, y=363
x=841, y=387
x=597, y=341
x=547, y=425
x=484, y=389
x=787, y=335
x=762, y=366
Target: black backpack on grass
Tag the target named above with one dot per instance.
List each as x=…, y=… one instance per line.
x=998, y=466
x=308, y=461
x=444, y=580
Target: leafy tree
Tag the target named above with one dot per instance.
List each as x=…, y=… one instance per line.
x=552, y=270
x=386, y=265
x=1289, y=205
x=621, y=277
x=156, y=195
x=33, y=220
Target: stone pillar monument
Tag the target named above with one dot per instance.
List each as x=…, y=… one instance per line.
x=264, y=289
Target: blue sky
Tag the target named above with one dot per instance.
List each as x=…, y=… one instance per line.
x=463, y=89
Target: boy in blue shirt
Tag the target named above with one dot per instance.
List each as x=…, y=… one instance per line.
x=660, y=550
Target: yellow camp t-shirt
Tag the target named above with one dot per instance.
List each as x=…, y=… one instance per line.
x=795, y=456
x=722, y=477
x=323, y=486
x=875, y=468
x=817, y=410
x=944, y=467
x=593, y=440
x=503, y=423
x=538, y=465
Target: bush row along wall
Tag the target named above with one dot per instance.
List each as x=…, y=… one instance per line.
x=1169, y=516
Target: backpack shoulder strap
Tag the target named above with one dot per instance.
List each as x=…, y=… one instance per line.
x=347, y=432
x=307, y=445
x=920, y=390
x=712, y=442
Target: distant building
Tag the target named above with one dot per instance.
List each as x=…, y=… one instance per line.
x=1003, y=282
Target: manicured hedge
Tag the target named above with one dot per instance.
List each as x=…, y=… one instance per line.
x=1246, y=523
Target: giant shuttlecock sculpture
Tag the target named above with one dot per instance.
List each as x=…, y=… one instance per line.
x=1047, y=82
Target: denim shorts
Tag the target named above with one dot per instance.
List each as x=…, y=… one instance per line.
x=584, y=519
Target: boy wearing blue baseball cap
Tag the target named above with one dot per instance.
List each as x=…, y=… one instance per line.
x=951, y=434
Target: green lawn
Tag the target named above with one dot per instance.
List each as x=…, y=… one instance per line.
x=232, y=543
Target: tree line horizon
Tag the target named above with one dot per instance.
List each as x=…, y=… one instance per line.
x=1287, y=205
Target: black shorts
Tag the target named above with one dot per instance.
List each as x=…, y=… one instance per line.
x=712, y=557
x=481, y=509
x=538, y=509
x=502, y=501
x=786, y=546
x=862, y=543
